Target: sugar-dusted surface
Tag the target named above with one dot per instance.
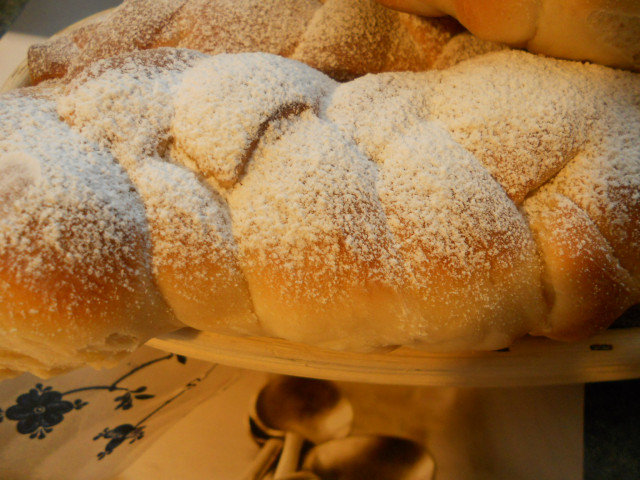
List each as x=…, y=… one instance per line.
x=224, y=103
x=193, y=252
x=75, y=276
x=393, y=209
x=232, y=26
x=347, y=39
x=40, y=182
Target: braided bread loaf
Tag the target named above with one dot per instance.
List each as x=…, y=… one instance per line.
x=602, y=31
x=248, y=193
x=341, y=38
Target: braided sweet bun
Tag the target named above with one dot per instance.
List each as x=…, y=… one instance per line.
x=602, y=31
x=247, y=193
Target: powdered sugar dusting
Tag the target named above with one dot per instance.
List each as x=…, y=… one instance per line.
x=584, y=281
x=134, y=25
x=309, y=198
x=312, y=238
x=67, y=180
x=463, y=47
x=381, y=210
x=76, y=231
x=194, y=253
x=18, y=172
x=189, y=224
x=127, y=102
x=445, y=206
x=466, y=247
x=234, y=26
x=604, y=178
x=377, y=109
x=224, y=102
x=523, y=127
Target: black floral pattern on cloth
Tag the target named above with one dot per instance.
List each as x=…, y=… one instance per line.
x=117, y=436
x=42, y=408
x=125, y=401
x=39, y=410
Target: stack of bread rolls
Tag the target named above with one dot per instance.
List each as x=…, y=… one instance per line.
x=150, y=181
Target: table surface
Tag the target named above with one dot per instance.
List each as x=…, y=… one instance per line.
x=496, y=433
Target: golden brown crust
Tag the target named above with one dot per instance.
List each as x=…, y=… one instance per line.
x=75, y=280
x=585, y=284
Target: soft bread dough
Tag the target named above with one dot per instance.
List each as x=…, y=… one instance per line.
x=247, y=193
x=251, y=194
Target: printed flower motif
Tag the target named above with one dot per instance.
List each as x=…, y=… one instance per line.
x=118, y=435
x=125, y=401
x=38, y=411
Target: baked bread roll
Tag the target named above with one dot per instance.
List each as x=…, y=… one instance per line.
x=251, y=194
x=602, y=31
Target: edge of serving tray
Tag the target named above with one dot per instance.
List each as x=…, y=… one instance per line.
x=611, y=355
